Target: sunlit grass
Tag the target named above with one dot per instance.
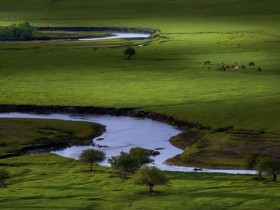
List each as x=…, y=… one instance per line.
x=52, y=182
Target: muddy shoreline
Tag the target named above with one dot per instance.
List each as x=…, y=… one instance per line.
x=131, y=112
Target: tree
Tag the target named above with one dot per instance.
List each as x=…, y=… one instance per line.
x=130, y=51
x=92, y=156
x=130, y=162
x=22, y=30
x=141, y=154
x=4, y=174
x=251, y=161
x=150, y=176
x=270, y=166
x=125, y=163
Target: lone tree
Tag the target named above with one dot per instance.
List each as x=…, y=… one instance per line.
x=92, y=156
x=4, y=174
x=150, y=176
x=125, y=163
x=130, y=51
x=271, y=166
x=251, y=162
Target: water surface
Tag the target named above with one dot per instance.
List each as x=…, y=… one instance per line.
x=123, y=133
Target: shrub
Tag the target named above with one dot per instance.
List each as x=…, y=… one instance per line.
x=4, y=174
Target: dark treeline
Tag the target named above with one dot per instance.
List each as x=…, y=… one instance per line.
x=101, y=29
x=17, y=31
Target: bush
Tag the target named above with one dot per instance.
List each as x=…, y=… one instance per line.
x=125, y=163
x=21, y=30
x=270, y=166
x=130, y=162
x=4, y=174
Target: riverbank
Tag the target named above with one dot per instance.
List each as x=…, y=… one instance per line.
x=132, y=112
x=20, y=136
x=222, y=148
x=82, y=33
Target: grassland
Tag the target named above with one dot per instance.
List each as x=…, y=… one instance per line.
x=52, y=182
x=19, y=135
x=167, y=78
x=222, y=149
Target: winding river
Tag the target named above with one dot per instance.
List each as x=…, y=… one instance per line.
x=123, y=133
x=117, y=35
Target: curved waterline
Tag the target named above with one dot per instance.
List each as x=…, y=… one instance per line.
x=123, y=133
x=117, y=35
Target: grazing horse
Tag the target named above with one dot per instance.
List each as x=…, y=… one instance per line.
x=251, y=63
x=207, y=62
x=259, y=69
x=236, y=68
x=227, y=67
x=243, y=67
x=221, y=68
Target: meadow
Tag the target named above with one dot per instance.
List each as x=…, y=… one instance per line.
x=166, y=77
x=48, y=181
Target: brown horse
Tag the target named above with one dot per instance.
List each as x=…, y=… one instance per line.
x=251, y=63
x=243, y=67
x=259, y=69
x=221, y=68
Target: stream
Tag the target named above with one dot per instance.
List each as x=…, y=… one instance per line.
x=117, y=35
x=123, y=133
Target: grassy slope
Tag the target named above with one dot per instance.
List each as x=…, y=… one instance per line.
x=167, y=77
x=17, y=134
x=52, y=182
x=222, y=149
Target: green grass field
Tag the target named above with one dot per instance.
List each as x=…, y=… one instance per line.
x=166, y=77
x=53, y=182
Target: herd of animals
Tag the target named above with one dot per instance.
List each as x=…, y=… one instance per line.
x=236, y=67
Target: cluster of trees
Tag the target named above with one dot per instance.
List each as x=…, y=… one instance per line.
x=263, y=163
x=20, y=30
x=129, y=163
